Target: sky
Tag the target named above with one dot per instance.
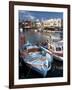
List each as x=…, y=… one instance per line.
x=39, y=15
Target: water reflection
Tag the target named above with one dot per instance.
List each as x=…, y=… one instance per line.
x=34, y=37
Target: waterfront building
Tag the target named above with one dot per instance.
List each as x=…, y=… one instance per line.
x=25, y=24
x=52, y=23
x=38, y=24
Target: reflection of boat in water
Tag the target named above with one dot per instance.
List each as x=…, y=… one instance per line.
x=56, y=49
x=38, y=59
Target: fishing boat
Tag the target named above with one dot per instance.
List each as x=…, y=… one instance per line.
x=37, y=59
x=56, y=48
